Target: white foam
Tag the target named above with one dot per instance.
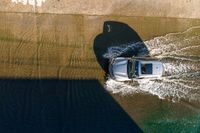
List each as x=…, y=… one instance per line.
x=174, y=43
x=182, y=79
x=165, y=88
x=115, y=51
x=120, y=87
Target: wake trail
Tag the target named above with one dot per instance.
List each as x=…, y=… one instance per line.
x=179, y=53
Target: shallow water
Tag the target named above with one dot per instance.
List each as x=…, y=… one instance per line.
x=180, y=85
x=179, y=54
x=46, y=46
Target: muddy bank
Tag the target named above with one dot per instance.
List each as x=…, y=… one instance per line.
x=153, y=8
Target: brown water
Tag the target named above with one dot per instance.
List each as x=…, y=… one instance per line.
x=62, y=47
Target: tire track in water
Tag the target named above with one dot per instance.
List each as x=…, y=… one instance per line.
x=182, y=70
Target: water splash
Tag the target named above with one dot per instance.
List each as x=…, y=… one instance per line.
x=171, y=87
x=116, y=51
x=181, y=63
x=175, y=43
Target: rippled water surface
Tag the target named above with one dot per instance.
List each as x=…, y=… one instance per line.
x=179, y=53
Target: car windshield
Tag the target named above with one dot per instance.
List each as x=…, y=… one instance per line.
x=146, y=68
x=131, y=68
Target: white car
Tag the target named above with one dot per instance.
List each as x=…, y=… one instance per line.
x=124, y=69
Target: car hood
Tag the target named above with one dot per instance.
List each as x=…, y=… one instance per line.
x=158, y=68
x=120, y=69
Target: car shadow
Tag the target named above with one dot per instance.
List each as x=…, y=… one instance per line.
x=60, y=106
x=117, y=40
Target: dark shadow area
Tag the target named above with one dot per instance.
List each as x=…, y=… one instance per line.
x=125, y=41
x=60, y=106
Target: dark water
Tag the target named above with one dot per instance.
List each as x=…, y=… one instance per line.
x=53, y=74
x=59, y=106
